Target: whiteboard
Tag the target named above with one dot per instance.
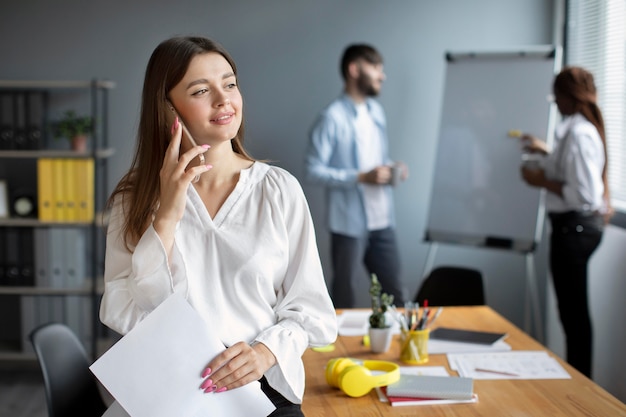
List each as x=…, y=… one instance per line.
x=478, y=196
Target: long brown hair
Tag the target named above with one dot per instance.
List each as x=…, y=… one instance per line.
x=578, y=86
x=139, y=187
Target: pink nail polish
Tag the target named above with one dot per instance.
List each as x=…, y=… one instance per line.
x=205, y=146
x=206, y=372
x=221, y=389
x=206, y=383
x=210, y=389
x=174, y=126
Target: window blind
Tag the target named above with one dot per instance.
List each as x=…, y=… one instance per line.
x=595, y=39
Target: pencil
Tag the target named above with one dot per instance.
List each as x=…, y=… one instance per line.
x=491, y=371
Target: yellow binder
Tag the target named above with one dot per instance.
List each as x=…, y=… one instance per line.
x=70, y=194
x=58, y=194
x=84, y=174
x=44, y=190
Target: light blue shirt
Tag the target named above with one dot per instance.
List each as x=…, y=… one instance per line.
x=332, y=160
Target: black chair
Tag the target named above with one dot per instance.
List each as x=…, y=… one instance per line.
x=452, y=286
x=71, y=388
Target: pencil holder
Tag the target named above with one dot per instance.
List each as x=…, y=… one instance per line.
x=414, y=346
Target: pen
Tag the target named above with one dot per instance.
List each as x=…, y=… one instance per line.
x=491, y=371
x=422, y=324
x=432, y=321
x=399, y=318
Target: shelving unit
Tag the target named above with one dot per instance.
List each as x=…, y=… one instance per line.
x=18, y=168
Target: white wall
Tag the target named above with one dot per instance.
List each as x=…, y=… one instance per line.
x=287, y=53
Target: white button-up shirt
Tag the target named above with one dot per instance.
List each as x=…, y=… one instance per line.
x=253, y=272
x=578, y=161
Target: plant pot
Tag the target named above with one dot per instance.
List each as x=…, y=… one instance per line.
x=380, y=339
x=79, y=143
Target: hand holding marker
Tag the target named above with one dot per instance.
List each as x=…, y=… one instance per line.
x=515, y=133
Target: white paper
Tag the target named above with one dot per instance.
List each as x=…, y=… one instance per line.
x=356, y=323
x=155, y=370
x=115, y=410
x=518, y=364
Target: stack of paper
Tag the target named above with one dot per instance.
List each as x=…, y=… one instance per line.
x=356, y=323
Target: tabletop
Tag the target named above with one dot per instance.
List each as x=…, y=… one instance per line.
x=578, y=396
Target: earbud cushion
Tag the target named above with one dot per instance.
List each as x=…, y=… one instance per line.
x=356, y=381
x=334, y=369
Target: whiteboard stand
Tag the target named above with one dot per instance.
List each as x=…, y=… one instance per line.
x=532, y=299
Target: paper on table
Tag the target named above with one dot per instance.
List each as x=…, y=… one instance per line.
x=154, y=370
x=517, y=364
x=356, y=323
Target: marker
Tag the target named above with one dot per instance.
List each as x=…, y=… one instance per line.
x=515, y=133
x=425, y=314
x=432, y=321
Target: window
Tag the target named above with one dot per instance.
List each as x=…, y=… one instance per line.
x=595, y=39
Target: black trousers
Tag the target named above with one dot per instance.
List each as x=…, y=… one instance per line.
x=284, y=407
x=575, y=236
x=378, y=252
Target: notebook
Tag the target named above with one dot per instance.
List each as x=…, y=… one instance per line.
x=406, y=401
x=434, y=387
x=466, y=336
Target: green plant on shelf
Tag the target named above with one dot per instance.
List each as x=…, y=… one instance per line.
x=72, y=125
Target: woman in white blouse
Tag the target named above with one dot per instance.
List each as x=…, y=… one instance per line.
x=578, y=204
x=232, y=234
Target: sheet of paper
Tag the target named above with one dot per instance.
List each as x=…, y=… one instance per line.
x=517, y=364
x=115, y=410
x=356, y=323
x=155, y=370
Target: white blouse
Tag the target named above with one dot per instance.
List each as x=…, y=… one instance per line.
x=253, y=272
x=578, y=161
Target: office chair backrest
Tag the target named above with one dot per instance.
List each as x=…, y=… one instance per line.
x=71, y=389
x=450, y=286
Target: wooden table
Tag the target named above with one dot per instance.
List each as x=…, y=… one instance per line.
x=578, y=396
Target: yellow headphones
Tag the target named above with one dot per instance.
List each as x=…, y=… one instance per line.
x=356, y=380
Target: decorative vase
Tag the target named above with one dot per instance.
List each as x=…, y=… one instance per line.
x=79, y=143
x=380, y=339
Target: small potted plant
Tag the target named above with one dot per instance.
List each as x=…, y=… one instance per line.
x=379, y=332
x=74, y=128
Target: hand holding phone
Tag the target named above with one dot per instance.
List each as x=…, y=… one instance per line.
x=186, y=134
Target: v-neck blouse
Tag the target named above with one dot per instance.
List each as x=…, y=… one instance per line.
x=253, y=272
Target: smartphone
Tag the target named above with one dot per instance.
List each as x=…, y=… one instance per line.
x=186, y=133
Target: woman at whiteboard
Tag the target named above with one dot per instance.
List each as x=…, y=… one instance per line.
x=577, y=201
